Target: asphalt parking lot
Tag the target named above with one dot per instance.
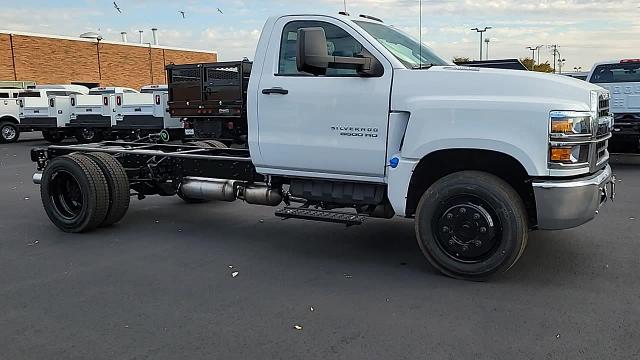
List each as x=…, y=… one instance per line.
x=161, y=285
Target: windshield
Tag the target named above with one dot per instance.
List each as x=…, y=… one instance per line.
x=409, y=51
x=616, y=73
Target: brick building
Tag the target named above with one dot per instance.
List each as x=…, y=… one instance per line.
x=49, y=59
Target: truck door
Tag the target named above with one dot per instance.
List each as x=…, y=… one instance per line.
x=319, y=125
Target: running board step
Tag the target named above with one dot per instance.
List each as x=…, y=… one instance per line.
x=348, y=219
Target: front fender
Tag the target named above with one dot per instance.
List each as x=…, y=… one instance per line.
x=518, y=127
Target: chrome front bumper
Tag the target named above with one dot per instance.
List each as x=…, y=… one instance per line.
x=564, y=204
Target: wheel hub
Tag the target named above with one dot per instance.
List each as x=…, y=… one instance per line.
x=88, y=134
x=466, y=231
x=8, y=133
x=66, y=194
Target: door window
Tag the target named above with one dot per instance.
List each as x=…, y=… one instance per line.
x=339, y=43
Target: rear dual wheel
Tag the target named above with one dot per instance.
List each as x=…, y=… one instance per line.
x=82, y=192
x=471, y=225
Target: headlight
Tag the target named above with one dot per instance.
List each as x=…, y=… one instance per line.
x=569, y=135
x=570, y=124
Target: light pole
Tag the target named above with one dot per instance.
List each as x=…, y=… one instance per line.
x=560, y=63
x=533, y=56
x=533, y=53
x=486, y=41
x=481, y=31
x=577, y=68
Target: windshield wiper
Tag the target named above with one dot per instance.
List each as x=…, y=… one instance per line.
x=423, y=66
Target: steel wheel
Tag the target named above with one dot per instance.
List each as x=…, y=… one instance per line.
x=467, y=229
x=9, y=132
x=66, y=195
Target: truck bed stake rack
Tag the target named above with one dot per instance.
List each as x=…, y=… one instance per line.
x=348, y=219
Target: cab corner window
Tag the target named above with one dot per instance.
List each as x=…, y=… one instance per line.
x=339, y=43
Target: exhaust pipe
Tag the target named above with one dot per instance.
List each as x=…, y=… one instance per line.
x=228, y=190
x=37, y=178
x=208, y=189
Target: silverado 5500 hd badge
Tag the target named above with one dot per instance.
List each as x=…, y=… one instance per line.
x=354, y=131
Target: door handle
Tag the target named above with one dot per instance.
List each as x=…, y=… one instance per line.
x=275, y=90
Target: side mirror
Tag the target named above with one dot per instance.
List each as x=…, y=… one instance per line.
x=312, y=56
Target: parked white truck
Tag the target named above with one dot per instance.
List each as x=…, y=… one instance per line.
x=47, y=108
x=90, y=118
x=9, y=116
x=352, y=114
x=622, y=79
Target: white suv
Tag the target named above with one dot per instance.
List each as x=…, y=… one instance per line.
x=622, y=79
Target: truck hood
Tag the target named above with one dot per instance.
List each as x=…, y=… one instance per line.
x=565, y=93
x=505, y=111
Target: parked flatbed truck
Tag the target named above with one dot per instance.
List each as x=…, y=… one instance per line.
x=352, y=119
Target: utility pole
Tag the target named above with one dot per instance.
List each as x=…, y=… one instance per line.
x=556, y=54
x=481, y=31
x=486, y=41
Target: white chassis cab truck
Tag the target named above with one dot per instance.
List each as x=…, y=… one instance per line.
x=352, y=119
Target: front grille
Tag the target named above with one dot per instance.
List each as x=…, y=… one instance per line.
x=603, y=129
x=603, y=105
x=601, y=149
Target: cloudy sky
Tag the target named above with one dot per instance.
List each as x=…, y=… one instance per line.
x=586, y=30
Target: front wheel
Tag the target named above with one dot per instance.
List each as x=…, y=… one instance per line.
x=471, y=225
x=9, y=132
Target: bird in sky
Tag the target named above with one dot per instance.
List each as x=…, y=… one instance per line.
x=220, y=11
x=115, y=5
x=182, y=12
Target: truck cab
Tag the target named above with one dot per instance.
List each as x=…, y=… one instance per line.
x=353, y=118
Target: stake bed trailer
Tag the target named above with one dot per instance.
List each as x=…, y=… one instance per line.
x=338, y=117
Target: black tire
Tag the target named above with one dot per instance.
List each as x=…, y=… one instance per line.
x=9, y=132
x=471, y=225
x=215, y=144
x=119, y=195
x=75, y=193
x=88, y=135
x=53, y=136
